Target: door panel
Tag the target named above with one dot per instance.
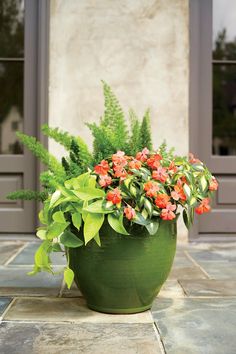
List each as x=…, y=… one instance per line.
x=213, y=108
x=18, y=83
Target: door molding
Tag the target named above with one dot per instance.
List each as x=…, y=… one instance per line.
x=200, y=102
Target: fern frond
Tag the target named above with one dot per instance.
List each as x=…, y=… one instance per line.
x=39, y=151
x=134, y=143
x=27, y=194
x=145, y=132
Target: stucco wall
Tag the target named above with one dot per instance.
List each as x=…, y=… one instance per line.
x=139, y=47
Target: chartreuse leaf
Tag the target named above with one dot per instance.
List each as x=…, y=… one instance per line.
x=97, y=239
x=41, y=257
x=88, y=193
x=41, y=233
x=152, y=227
x=77, y=220
x=203, y=183
x=58, y=216
x=116, y=222
x=68, y=277
x=55, y=196
x=187, y=191
x=55, y=229
x=69, y=239
x=42, y=217
x=100, y=206
x=92, y=225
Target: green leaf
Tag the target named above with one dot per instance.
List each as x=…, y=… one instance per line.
x=187, y=191
x=186, y=219
x=42, y=218
x=55, y=229
x=68, y=277
x=69, y=239
x=41, y=257
x=55, y=196
x=140, y=220
x=97, y=239
x=148, y=206
x=193, y=201
x=58, y=216
x=88, y=193
x=41, y=234
x=92, y=225
x=56, y=247
x=152, y=227
x=203, y=183
x=83, y=180
x=99, y=207
x=77, y=220
x=198, y=167
x=116, y=222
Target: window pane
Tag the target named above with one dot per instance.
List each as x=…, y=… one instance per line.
x=11, y=28
x=224, y=109
x=11, y=106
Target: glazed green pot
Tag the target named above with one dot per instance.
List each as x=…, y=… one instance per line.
x=126, y=273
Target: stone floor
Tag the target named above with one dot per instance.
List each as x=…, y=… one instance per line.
x=195, y=312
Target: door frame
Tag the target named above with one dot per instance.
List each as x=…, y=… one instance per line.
x=200, y=101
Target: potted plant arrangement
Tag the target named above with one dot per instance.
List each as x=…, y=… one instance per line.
x=114, y=212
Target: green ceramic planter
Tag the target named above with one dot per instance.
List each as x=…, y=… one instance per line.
x=126, y=273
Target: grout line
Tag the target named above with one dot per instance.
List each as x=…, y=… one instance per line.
x=182, y=288
x=196, y=264
x=8, y=308
x=16, y=254
x=159, y=339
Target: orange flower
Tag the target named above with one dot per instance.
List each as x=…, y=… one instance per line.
x=105, y=181
x=172, y=167
x=129, y=212
x=160, y=174
x=213, y=184
x=151, y=189
x=119, y=171
x=192, y=159
x=142, y=155
x=167, y=213
x=135, y=164
x=114, y=196
x=154, y=161
x=204, y=206
x=119, y=159
x=162, y=200
x=178, y=193
x=102, y=168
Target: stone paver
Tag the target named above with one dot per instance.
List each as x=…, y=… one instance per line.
x=195, y=312
x=209, y=287
x=196, y=326
x=4, y=302
x=26, y=257
x=66, y=309
x=8, y=249
x=23, y=338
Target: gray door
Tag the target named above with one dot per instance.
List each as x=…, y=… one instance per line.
x=213, y=108
x=18, y=20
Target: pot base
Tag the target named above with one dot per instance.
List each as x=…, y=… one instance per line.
x=119, y=311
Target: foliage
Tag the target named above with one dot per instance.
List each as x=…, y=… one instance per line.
x=27, y=194
x=123, y=180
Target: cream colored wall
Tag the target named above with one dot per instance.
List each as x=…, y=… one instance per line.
x=139, y=47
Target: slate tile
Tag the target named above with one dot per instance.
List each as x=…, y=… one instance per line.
x=213, y=255
x=42, y=338
x=17, y=278
x=189, y=272
x=171, y=289
x=66, y=309
x=219, y=270
x=8, y=249
x=26, y=257
x=209, y=287
x=4, y=302
x=197, y=325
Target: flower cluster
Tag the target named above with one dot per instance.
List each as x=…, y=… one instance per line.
x=153, y=184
